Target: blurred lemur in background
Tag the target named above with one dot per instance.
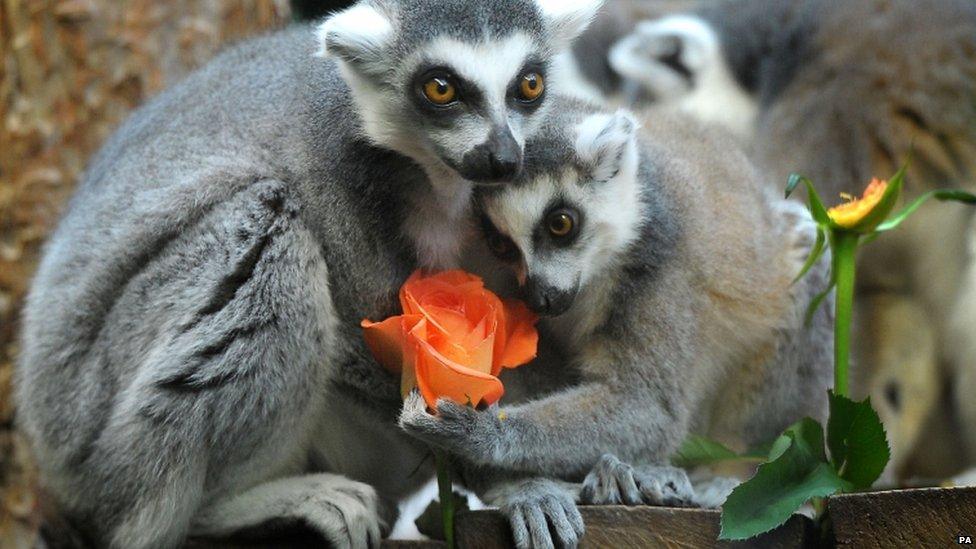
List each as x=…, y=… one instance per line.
x=312, y=10
x=192, y=362
x=664, y=264
x=840, y=91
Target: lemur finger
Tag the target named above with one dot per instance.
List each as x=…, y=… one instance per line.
x=677, y=487
x=375, y=536
x=607, y=489
x=622, y=474
x=358, y=533
x=371, y=530
x=664, y=485
x=414, y=411
x=587, y=494
x=561, y=525
x=650, y=489
x=574, y=517
x=538, y=527
x=355, y=517
x=448, y=410
x=520, y=530
x=627, y=486
x=328, y=514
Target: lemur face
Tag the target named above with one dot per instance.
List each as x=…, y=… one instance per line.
x=575, y=210
x=456, y=85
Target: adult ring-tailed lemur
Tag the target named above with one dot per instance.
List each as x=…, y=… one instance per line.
x=191, y=359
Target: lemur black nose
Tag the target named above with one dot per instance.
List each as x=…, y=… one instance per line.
x=499, y=159
x=548, y=300
x=506, y=159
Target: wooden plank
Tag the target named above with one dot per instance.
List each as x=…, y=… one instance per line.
x=926, y=517
x=298, y=541
x=619, y=527
x=402, y=544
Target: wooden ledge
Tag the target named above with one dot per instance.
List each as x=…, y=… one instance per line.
x=620, y=527
x=924, y=517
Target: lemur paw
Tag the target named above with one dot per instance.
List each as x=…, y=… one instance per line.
x=459, y=429
x=348, y=516
x=540, y=509
x=613, y=482
x=712, y=493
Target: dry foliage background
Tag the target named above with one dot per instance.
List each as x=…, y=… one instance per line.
x=71, y=71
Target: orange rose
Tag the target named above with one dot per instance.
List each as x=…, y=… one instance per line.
x=453, y=338
x=854, y=213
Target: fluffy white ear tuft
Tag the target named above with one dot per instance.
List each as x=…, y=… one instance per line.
x=667, y=55
x=356, y=35
x=567, y=19
x=604, y=142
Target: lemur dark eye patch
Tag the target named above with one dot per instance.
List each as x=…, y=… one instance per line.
x=437, y=88
x=501, y=246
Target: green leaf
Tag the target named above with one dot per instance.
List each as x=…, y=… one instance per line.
x=944, y=195
x=697, y=450
x=780, y=487
x=792, y=183
x=779, y=446
x=818, y=250
x=809, y=432
x=856, y=438
x=816, y=301
x=701, y=451
x=817, y=209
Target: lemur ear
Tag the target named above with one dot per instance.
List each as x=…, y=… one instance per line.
x=567, y=19
x=358, y=36
x=604, y=142
x=665, y=55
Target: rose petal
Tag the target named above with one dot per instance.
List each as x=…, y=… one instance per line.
x=521, y=338
x=412, y=333
x=438, y=377
x=385, y=341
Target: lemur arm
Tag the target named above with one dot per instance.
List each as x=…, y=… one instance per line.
x=563, y=435
x=634, y=403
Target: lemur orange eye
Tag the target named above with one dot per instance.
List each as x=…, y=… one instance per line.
x=561, y=223
x=531, y=86
x=440, y=91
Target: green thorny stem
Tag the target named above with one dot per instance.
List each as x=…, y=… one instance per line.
x=446, y=491
x=844, y=248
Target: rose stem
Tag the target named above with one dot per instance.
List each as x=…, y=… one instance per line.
x=446, y=495
x=845, y=246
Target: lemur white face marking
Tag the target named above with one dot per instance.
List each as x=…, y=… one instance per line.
x=678, y=60
x=559, y=229
x=491, y=67
x=459, y=102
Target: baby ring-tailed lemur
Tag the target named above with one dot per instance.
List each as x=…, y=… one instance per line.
x=192, y=362
x=664, y=266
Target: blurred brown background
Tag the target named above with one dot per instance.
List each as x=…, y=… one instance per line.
x=71, y=71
